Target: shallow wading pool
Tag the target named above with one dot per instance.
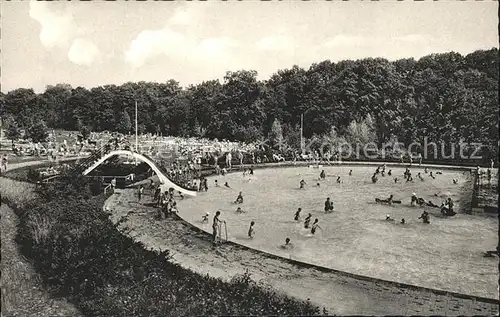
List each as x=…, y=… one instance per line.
x=446, y=254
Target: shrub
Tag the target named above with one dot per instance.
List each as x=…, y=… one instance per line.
x=80, y=253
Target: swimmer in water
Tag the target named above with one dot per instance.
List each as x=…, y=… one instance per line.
x=239, y=210
x=239, y=199
x=455, y=181
x=227, y=185
x=420, y=176
x=389, y=173
x=302, y=184
x=388, y=218
x=287, y=245
x=403, y=221
x=350, y=172
x=328, y=205
x=426, y=170
x=307, y=221
x=204, y=218
x=338, y=180
x=374, y=178
x=424, y=217
x=414, y=199
x=433, y=177
x=395, y=180
x=318, y=184
x=322, y=175
x=297, y=214
x=251, y=232
x=216, y=184
x=315, y=226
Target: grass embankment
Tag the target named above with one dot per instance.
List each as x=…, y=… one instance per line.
x=82, y=255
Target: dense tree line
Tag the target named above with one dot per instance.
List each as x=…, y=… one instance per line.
x=445, y=97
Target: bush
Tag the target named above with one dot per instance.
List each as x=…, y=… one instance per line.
x=80, y=253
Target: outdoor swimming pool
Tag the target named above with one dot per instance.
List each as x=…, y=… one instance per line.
x=447, y=254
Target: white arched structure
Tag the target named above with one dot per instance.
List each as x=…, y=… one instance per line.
x=166, y=183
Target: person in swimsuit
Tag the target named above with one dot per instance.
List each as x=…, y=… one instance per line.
x=250, y=230
x=307, y=221
x=318, y=184
x=315, y=226
x=216, y=184
x=374, y=178
x=297, y=214
x=302, y=183
x=239, y=210
x=338, y=180
x=328, y=205
x=420, y=176
x=350, y=172
x=455, y=181
x=424, y=217
x=287, y=245
x=227, y=185
x=322, y=175
x=389, y=173
x=414, y=199
x=395, y=180
x=403, y=221
x=388, y=218
x=215, y=226
x=204, y=218
x=239, y=199
x=433, y=177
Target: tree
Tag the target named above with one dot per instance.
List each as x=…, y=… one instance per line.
x=38, y=132
x=124, y=125
x=12, y=131
x=275, y=136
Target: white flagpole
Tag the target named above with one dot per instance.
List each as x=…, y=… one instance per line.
x=136, y=140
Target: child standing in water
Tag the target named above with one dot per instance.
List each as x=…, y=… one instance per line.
x=315, y=226
x=297, y=214
x=307, y=221
x=250, y=230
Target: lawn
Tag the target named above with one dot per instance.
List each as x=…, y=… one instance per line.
x=447, y=254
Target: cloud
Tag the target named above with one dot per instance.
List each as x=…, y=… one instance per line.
x=214, y=47
x=275, y=43
x=56, y=29
x=151, y=43
x=83, y=52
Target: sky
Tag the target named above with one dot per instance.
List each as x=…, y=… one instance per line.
x=97, y=43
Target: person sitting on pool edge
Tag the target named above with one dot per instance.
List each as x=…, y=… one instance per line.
x=239, y=199
x=302, y=183
x=328, y=205
x=297, y=214
x=250, y=230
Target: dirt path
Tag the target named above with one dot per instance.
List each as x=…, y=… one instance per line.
x=339, y=294
x=22, y=293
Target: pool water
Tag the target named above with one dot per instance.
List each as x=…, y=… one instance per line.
x=446, y=254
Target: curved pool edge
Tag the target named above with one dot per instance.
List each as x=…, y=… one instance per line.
x=304, y=264
x=345, y=273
